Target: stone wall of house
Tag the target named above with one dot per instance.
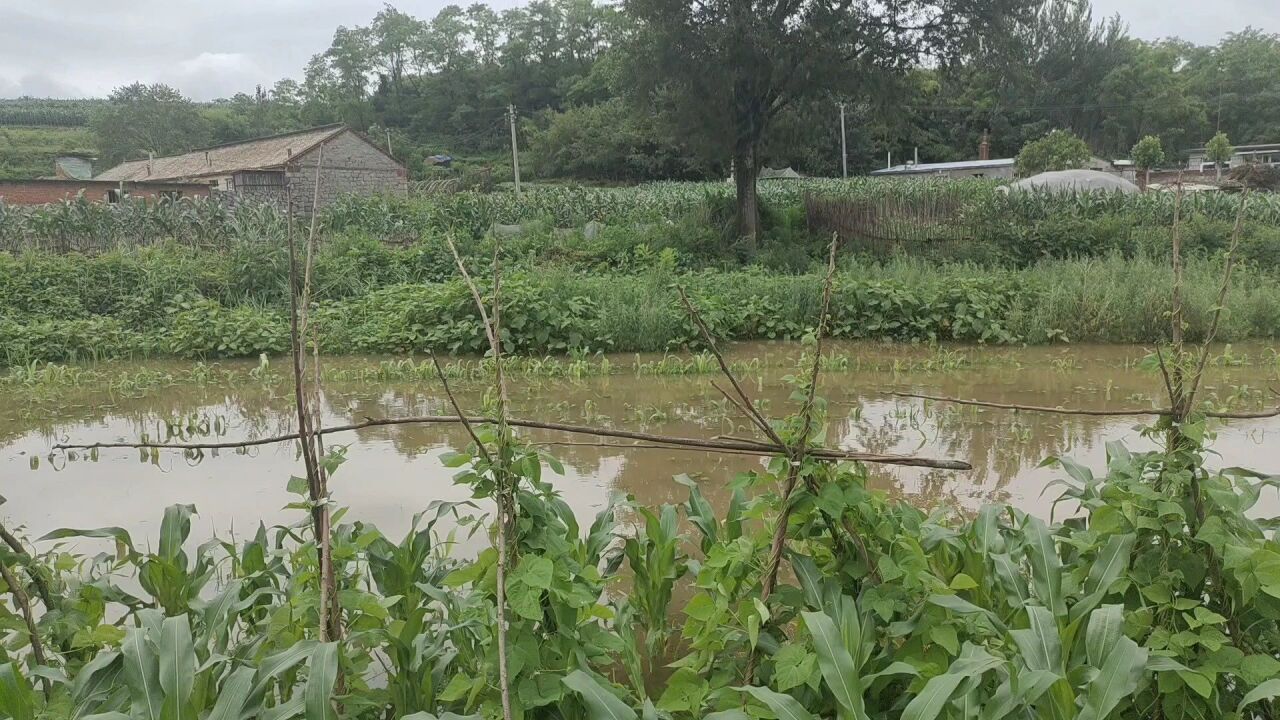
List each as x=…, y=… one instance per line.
x=256, y=188
x=350, y=166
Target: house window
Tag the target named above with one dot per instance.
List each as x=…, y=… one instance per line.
x=267, y=180
x=114, y=196
x=170, y=195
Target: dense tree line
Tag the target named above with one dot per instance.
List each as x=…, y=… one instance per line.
x=599, y=94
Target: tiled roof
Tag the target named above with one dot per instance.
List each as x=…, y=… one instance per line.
x=262, y=153
x=940, y=167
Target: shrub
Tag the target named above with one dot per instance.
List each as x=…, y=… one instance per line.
x=1059, y=150
x=204, y=327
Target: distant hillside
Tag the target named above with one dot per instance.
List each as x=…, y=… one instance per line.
x=42, y=112
x=28, y=152
x=33, y=131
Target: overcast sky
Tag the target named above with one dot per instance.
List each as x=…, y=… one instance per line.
x=215, y=48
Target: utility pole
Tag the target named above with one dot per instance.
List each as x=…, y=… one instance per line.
x=515, y=152
x=844, y=149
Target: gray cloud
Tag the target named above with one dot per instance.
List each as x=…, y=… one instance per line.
x=73, y=48
x=1201, y=22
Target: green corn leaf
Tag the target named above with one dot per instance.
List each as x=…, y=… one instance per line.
x=601, y=703
x=17, y=698
x=960, y=606
x=177, y=668
x=1106, y=627
x=1030, y=687
x=929, y=703
x=974, y=661
x=784, y=706
x=321, y=677
x=1266, y=691
x=233, y=696
x=275, y=665
x=1011, y=578
x=142, y=674
x=1002, y=702
x=1119, y=678
x=894, y=668
x=95, y=678
x=836, y=664
x=1112, y=561
x=175, y=528
x=217, y=609
x=120, y=535
x=1046, y=566
x=987, y=530
x=286, y=710
x=1040, y=645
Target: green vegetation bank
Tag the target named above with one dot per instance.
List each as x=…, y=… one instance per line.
x=594, y=270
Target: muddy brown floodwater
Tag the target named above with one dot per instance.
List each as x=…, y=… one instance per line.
x=394, y=472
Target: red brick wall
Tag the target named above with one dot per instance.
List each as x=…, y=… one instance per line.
x=39, y=192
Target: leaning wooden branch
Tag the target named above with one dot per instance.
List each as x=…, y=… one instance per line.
x=329, y=626
x=675, y=441
x=1125, y=412
x=42, y=589
x=796, y=452
x=453, y=400
x=23, y=602
x=746, y=403
x=504, y=498
x=1220, y=305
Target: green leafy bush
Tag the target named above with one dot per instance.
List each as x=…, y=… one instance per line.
x=202, y=327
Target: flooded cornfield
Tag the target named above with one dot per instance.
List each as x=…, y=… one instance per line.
x=395, y=471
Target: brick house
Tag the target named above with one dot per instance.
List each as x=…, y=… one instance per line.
x=262, y=169
x=50, y=190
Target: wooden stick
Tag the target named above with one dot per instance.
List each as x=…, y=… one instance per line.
x=1222, y=298
x=23, y=602
x=501, y=472
x=737, y=404
x=1128, y=412
x=42, y=589
x=697, y=443
x=752, y=411
x=315, y=489
x=484, y=452
x=797, y=450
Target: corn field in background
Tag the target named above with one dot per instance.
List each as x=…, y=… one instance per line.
x=874, y=210
x=82, y=226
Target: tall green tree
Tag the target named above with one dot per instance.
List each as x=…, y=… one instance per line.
x=1219, y=151
x=148, y=118
x=1150, y=94
x=1146, y=154
x=728, y=67
x=1239, y=82
x=1059, y=150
